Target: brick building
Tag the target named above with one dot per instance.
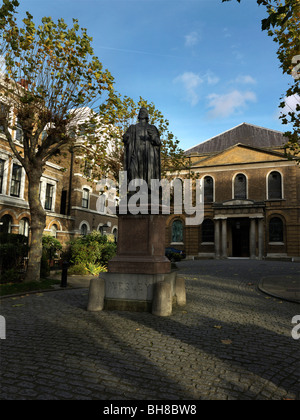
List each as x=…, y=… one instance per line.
x=251, y=198
x=65, y=192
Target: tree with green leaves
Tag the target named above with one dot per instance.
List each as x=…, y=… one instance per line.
x=283, y=24
x=63, y=99
x=51, y=81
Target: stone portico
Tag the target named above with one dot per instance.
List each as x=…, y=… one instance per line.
x=239, y=229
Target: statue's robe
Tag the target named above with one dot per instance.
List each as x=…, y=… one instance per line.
x=142, y=153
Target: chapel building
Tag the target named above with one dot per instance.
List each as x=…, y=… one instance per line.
x=251, y=194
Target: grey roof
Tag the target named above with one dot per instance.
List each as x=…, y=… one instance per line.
x=247, y=134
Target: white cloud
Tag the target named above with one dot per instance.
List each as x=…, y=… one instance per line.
x=211, y=78
x=225, y=105
x=245, y=79
x=191, y=39
x=191, y=82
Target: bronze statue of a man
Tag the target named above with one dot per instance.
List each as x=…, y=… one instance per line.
x=142, y=150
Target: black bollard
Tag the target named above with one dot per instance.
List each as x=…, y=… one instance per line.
x=64, y=274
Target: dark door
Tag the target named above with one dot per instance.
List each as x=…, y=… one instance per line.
x=240, y=238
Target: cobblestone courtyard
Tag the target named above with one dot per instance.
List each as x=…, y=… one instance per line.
x=230, y=341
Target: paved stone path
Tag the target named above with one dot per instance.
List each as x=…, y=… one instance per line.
x=231, y=341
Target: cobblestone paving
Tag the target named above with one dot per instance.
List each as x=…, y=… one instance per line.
x=230, y=341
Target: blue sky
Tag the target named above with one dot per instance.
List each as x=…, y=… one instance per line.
x=206, y=65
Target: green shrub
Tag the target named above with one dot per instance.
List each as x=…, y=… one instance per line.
x=79, y=269
x=93, y=250
x=51, y=246
x=96, y=269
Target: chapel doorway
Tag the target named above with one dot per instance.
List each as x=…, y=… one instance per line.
x=240, y=232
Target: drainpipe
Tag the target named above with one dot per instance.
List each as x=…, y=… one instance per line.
x=70, y=182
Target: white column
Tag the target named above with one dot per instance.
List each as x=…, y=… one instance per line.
x=260, y=238
x=217, y=239
x=253, y=239
x=224, y=238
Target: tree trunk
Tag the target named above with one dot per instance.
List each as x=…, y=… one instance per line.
x=37, y=226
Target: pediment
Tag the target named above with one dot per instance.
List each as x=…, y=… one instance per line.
x=239, y=154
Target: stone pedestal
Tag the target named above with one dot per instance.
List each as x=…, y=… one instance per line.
x=139, y=277
x=141, y=245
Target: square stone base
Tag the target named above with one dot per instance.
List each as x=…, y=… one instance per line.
x=133, y=291
x=154, y=293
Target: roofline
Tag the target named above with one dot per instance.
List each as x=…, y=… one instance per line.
x=233, y=128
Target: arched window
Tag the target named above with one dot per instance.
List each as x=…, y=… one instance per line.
x=274, y=186
x=208, y=189
x=276, y=233
x=53, y=230
x=208, y=231
x=5, y=224
x=177, y=231
x=115, y=233
x=84, y=229
x=240, y=187
x=24, y=227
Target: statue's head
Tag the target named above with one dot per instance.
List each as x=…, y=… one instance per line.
x=143, y=114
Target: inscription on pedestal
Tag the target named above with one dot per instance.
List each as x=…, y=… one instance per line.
x=130, y=286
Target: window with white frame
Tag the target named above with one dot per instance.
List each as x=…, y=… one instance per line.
x=24, y=227
x=18, y=133
x=49, y=194
x=16, y=179
x=85, y=198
